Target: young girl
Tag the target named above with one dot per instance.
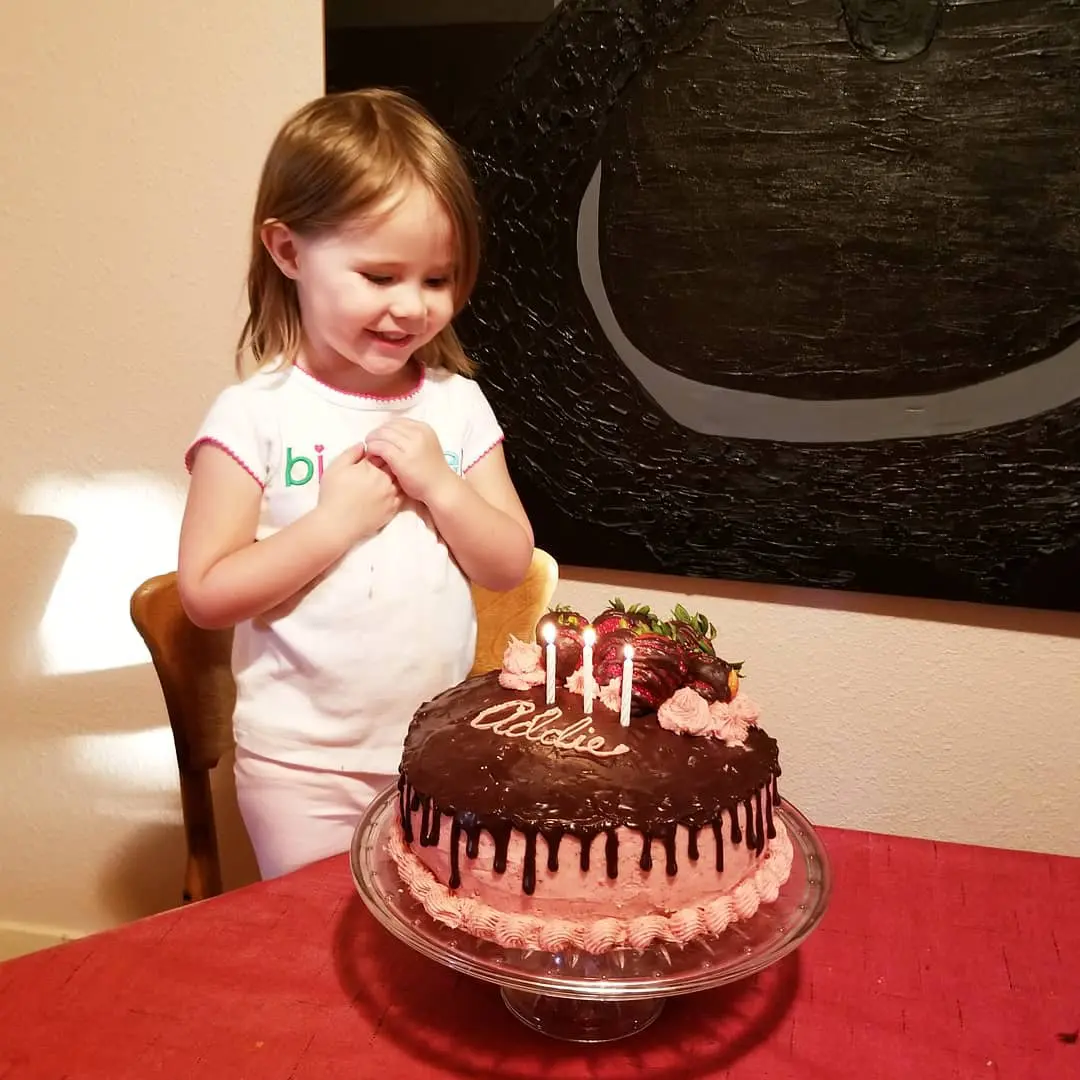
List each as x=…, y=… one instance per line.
x=343, y=496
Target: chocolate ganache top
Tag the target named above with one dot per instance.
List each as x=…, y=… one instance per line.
x=503, y=754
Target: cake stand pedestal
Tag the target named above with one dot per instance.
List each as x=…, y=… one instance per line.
x=578, y=996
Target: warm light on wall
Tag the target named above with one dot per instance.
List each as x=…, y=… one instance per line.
x=127, y=526
x=127, y=763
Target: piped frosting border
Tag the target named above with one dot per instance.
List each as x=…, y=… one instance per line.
x=598, y=935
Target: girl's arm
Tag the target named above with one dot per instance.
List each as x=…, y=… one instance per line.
x=479, y=515
x=484, y=524
x=225, y=577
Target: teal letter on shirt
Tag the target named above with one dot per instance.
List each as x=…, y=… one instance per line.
x=290, y=461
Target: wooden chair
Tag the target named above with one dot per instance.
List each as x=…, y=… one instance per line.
x=193, y=667
x=500, y=614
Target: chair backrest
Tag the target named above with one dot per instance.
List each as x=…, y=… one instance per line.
x=499, y=614
x=194, y=670
x=193, y=667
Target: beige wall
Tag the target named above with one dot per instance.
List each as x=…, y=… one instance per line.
x=129, y=147
x=131, y=136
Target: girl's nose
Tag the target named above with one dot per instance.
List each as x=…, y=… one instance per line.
x=407, y=302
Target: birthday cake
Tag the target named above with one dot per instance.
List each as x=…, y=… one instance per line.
x=540, y=808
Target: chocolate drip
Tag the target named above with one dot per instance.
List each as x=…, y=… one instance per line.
x=751, y=838
x=646, y=852
x=736, y=832
x=586, y=844
x=425, y=819
x=500, y=833
x=553, y=838
x=718, y=832
x=455, y=856
x=414, y=802
x=759, y=826
x=775, y=792
x=472, y=834
x=611, y=854
x=528, y=876
x=691, y=843
x=403, y=801
x=432, y=838
x=671, y=864
x=770, y=826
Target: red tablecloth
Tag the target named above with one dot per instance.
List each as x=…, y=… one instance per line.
x=935, y=961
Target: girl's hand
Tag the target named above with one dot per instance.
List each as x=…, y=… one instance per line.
x=412, y=451
x=356, y=497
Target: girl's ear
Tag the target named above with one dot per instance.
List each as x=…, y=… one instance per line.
x=279, y=241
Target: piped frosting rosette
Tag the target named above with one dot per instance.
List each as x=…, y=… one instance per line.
x=521, y=666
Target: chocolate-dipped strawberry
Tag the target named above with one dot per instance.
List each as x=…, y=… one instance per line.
x=714, y=679
x=608, y=653
x=569, y=625
x=660, y=668
x=693, y=632
x=617, y=616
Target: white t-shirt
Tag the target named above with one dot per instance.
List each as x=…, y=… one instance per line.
x=332, y=679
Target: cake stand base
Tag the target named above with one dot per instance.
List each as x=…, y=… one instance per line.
x=581, y=1021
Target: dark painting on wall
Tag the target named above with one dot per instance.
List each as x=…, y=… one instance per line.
x=790, y=291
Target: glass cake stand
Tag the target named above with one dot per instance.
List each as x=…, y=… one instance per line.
x=582, y=997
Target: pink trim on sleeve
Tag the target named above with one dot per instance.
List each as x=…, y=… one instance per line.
x=189, y=457
x=480, y=457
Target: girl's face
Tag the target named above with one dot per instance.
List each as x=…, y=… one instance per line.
x=374, y=291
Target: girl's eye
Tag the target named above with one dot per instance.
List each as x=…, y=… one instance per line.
x=378, y=279
x=437, y=282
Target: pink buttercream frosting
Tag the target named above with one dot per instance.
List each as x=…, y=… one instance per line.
x=686, y=711
x=611, y=694
x=521, y=668
x=608, y=695
x=519, y=931
x=576, y=682
x=734, y=719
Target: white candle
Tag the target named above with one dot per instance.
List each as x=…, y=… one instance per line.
x=627, y=685
x=589, y=637
x=549, y=663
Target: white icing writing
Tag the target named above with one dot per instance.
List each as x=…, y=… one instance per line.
x=576, y=736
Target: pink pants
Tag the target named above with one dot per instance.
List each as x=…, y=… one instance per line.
x=296, y=815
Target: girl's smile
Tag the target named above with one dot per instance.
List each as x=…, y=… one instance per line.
x=394, y=340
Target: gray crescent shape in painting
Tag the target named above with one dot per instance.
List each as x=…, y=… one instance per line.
x=739, y=414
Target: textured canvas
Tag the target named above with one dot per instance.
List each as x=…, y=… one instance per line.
x=789, y=291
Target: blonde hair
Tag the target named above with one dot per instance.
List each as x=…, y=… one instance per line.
x=336, y=158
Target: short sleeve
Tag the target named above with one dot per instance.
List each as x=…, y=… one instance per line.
x=233, y=425
x=482, y=430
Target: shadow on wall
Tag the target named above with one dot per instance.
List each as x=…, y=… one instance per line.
x=145, y=873
x=90, y=823
x=35, y=548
